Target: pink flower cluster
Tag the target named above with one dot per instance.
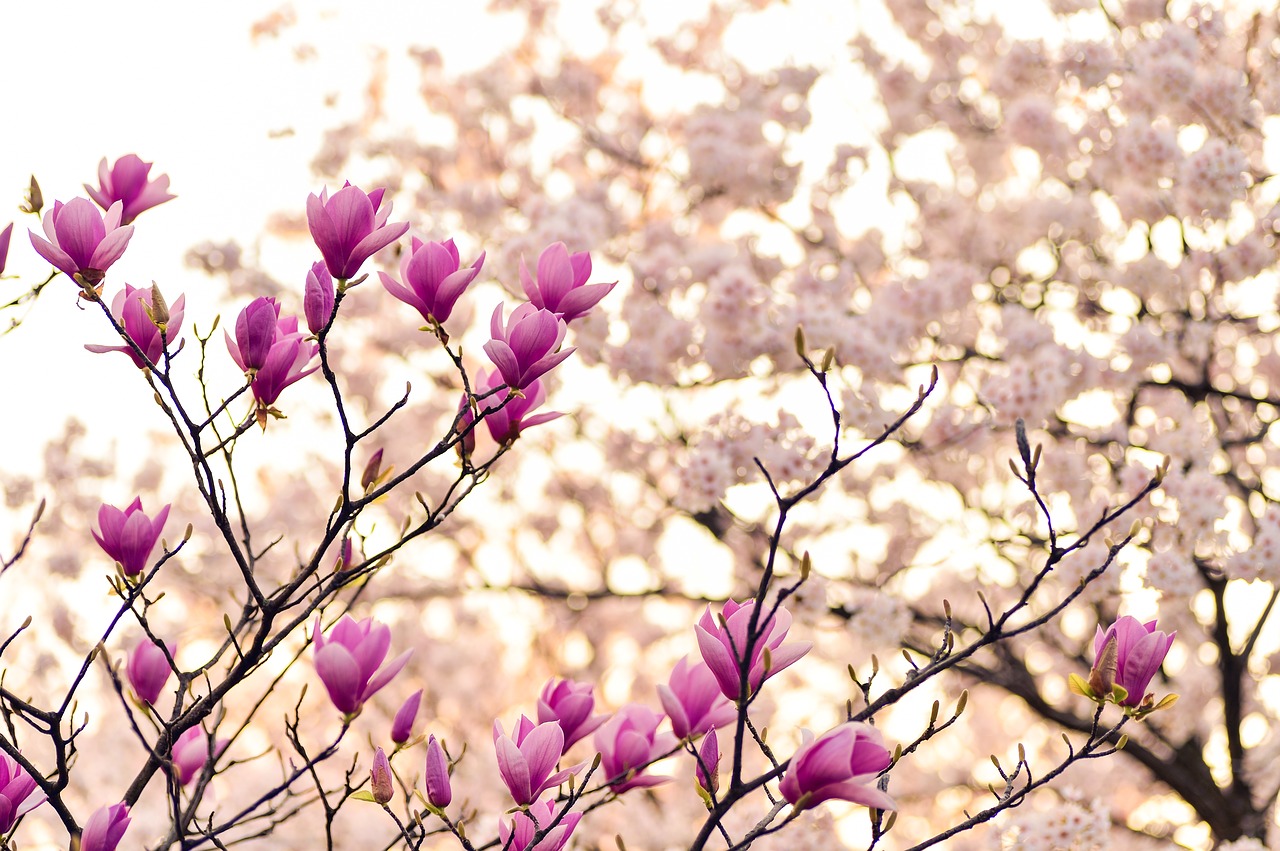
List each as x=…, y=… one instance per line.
x=270, y=349
x=80, y=241
x=348, y=228
x=698, y=700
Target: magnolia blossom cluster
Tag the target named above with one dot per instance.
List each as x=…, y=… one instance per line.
x=274, y=351
x=270, y=350
x=701, y=701
x=348, y=228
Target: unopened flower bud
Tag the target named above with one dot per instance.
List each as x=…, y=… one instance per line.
x=149, y=670
x=707, y=772
x=318, y=297
x=1103, y=675
x=372, y=471
x=402, y=725
x=158, y=310
x=380, y=778
x=439, y=792
x=346, y=556
x=35, y=198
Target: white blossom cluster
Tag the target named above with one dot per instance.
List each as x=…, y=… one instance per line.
x=1069, y=826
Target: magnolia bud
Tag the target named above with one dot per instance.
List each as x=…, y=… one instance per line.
x=402, y=725
x=372, y=469
x=35, y=198
x=380, y=778
x=439, y=792
x=158, y=310
x=707, y=772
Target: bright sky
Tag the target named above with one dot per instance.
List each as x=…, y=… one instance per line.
x=195, y=92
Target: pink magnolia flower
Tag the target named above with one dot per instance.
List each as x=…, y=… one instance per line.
x=351, y=227
x=81, y=241
x=5, y=236
x=1140, y=650
x=723, y=647
x=129, y=307
x=562, y=286
x=528, y=346
x=402, y=724
x=288, y=361
x=527, y=761
x=570, y=703
x=271, y=349
x=518, y=836
x=628, y=742
x=439, y=792
x=191, y=752
x=380, y=782
x=105, y=828
x=129, y=536
x=257, y=327
x=433, y=278
x=128, y=182
x=841, y=763
x=149, y=669
x=693, y=700
x=349, y=661
x=16, y=792
x=318, y=297
x=504, y=421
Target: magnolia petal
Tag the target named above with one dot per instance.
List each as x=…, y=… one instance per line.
x=542, y=747
x=55, y=255
x=723, y=666
x=545, y=365
x=372, y=649
x=505, y=360
x=386, y=675
x=111, y=248
x=514, y=770
x=340, y=674
x=324, y=234
x=858, y=793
